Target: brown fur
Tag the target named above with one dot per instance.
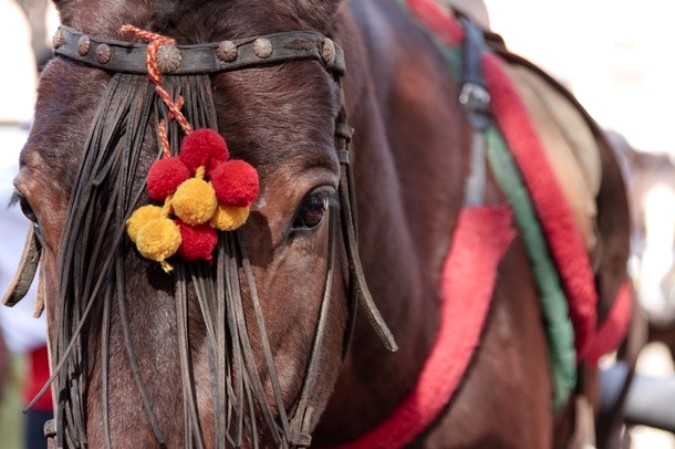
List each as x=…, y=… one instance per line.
x=410, y=162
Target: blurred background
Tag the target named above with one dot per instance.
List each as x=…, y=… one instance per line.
x=614, y=55
x=22, y=335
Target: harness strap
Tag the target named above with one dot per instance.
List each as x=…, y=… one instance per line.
x=475, y=100
x=200, y=59
x=25, y=273
x=301, y=423
x=360, y=289
x=474, y=96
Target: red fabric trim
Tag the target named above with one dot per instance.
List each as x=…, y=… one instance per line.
x=469, y=274
x=37, y=376
x=613, y=330
x=438, y=19
x=565, y=243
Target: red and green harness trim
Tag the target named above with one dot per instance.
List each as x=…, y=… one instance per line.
x=558, y=256
x=518, y=163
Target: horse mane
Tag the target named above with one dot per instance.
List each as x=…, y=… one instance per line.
x=108, y=187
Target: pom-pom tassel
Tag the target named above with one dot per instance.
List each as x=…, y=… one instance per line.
x=203, y=191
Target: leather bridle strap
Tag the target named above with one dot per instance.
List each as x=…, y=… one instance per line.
x=200, y=59
x=475, y=99
x=302, y=419
x=28, y=265
x=360, y=291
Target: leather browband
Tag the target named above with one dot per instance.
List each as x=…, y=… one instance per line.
x=127, y=57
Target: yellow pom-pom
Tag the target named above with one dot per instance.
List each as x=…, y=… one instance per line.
x=195, y=201
x=229, y=218
x=158, y=239
x=141, y=217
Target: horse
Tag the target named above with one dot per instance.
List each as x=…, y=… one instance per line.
x=353, y=156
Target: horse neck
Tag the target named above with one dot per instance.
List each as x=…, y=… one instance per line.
x=409, y=188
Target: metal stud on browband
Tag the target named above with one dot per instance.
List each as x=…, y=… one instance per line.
x=58, y=40
x=328, y=51
x=262, y=48
x=227, y=51
x=103, y=53
x=83, y=45
x=168, y=58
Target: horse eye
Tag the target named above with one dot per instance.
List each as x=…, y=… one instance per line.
x=311, y=211
x=27, y=210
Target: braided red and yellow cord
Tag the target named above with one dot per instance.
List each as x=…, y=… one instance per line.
x=155, y=41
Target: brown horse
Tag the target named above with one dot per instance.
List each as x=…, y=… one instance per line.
x=254, y=348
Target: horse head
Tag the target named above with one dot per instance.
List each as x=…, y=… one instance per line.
x=243, y=346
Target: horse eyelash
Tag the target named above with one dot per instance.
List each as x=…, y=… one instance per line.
x=14, y=199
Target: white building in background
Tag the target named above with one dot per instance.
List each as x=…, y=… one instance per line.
x=18, y=76
x=615, y=55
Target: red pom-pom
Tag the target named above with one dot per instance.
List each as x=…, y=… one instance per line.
x=211, y=166
x=164, y=177
x=197, y=243
x=236, y=183
x=201, y=146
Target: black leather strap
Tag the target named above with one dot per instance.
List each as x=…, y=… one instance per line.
x=475, y=100
x=474, y=95
x=125, y=57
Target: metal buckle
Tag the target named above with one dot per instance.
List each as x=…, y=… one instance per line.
x=474, y=98
x=476, y=101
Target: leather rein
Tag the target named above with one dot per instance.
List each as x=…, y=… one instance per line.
x=207, y=59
